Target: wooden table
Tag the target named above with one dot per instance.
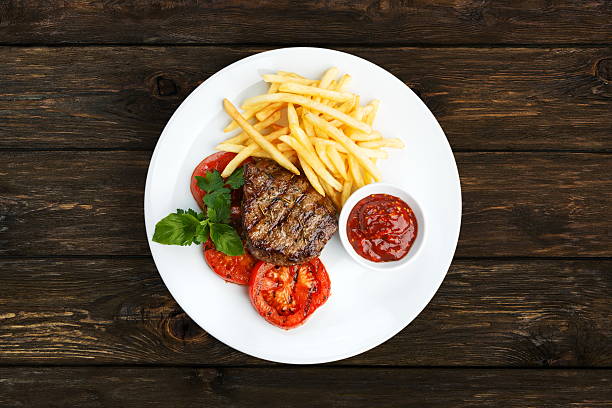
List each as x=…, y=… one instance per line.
x=523, y=92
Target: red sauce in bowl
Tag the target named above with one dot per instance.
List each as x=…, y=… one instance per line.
x=381, y=228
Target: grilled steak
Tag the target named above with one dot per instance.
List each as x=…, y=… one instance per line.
x=285, y=221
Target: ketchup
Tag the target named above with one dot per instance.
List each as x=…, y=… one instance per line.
x=381, y=228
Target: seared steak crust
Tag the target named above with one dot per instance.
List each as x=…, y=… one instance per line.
x=285, y=221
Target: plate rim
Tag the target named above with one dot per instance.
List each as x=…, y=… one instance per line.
x=201, y=88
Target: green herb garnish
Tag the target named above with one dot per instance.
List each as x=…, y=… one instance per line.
x=190, y=227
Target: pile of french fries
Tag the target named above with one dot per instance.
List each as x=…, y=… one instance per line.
x=314, y=123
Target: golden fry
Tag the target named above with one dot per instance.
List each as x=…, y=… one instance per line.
x=292, y=87
x=375, y=154
x=362, y=137
x=355, y=172
x=311, y=176
x=369, y=119
x=258, y=138
x=270, y=137
x=326, y=80
x=336, y=123
x=296, y=130
x=284, y=147
x=321, y=150
x=332, y=194
x=391, y=142
x=348, y=144
x=313, y=161
x=273, y=88
x=358, y=113
x=344, y=82
x=242, y=137
x=247, y=114
x=347, y=189
x=290, y=74
x=347, y=106
x=282, y=79
x=336, y=160
x=307, y=125
x=268, y=111
x=328, y=77
x=237, y=161
x=328, y=142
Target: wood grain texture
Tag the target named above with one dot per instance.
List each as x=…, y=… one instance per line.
x=307, y=387
x=515, y=204
x=486, y=313
x=485, y=99
x=320, y=22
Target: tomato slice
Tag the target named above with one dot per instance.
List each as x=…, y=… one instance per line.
x=286, y=295
x=235, y=269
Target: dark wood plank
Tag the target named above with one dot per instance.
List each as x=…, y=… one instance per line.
x=306, y=387
x=485, y=99
x=323, y=22
x=487, y=313
x=515, y=204
x=535, y=204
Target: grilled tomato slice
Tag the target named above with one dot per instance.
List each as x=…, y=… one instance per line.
x=286, y=295
x=235, y=269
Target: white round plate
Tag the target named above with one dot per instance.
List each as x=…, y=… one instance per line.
x=366, y=307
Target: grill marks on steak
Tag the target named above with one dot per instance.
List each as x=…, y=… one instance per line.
x=285, y=221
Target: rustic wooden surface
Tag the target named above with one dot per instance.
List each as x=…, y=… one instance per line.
x=319, y=22
x=523, y=91
x=283, y=387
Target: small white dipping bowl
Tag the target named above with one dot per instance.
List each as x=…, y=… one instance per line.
x=382, y=188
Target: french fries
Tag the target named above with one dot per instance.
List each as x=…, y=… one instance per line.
x=296, y=130
x=258, y=138
x=313, y=161
x=348, y=144
x=326, y=80
x=308, y=103
x=327, y=132
x=275, y=117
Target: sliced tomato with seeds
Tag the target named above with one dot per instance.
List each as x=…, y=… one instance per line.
x=235, y=269
x=286, y=295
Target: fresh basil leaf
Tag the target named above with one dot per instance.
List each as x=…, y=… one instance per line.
x=202, y=233
x=226, y=239
x=218, y=205
x=217, y=197
x=236, y=180
x=212, y=181
x=218, y=214
x=176, y=229
x=199, y=216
